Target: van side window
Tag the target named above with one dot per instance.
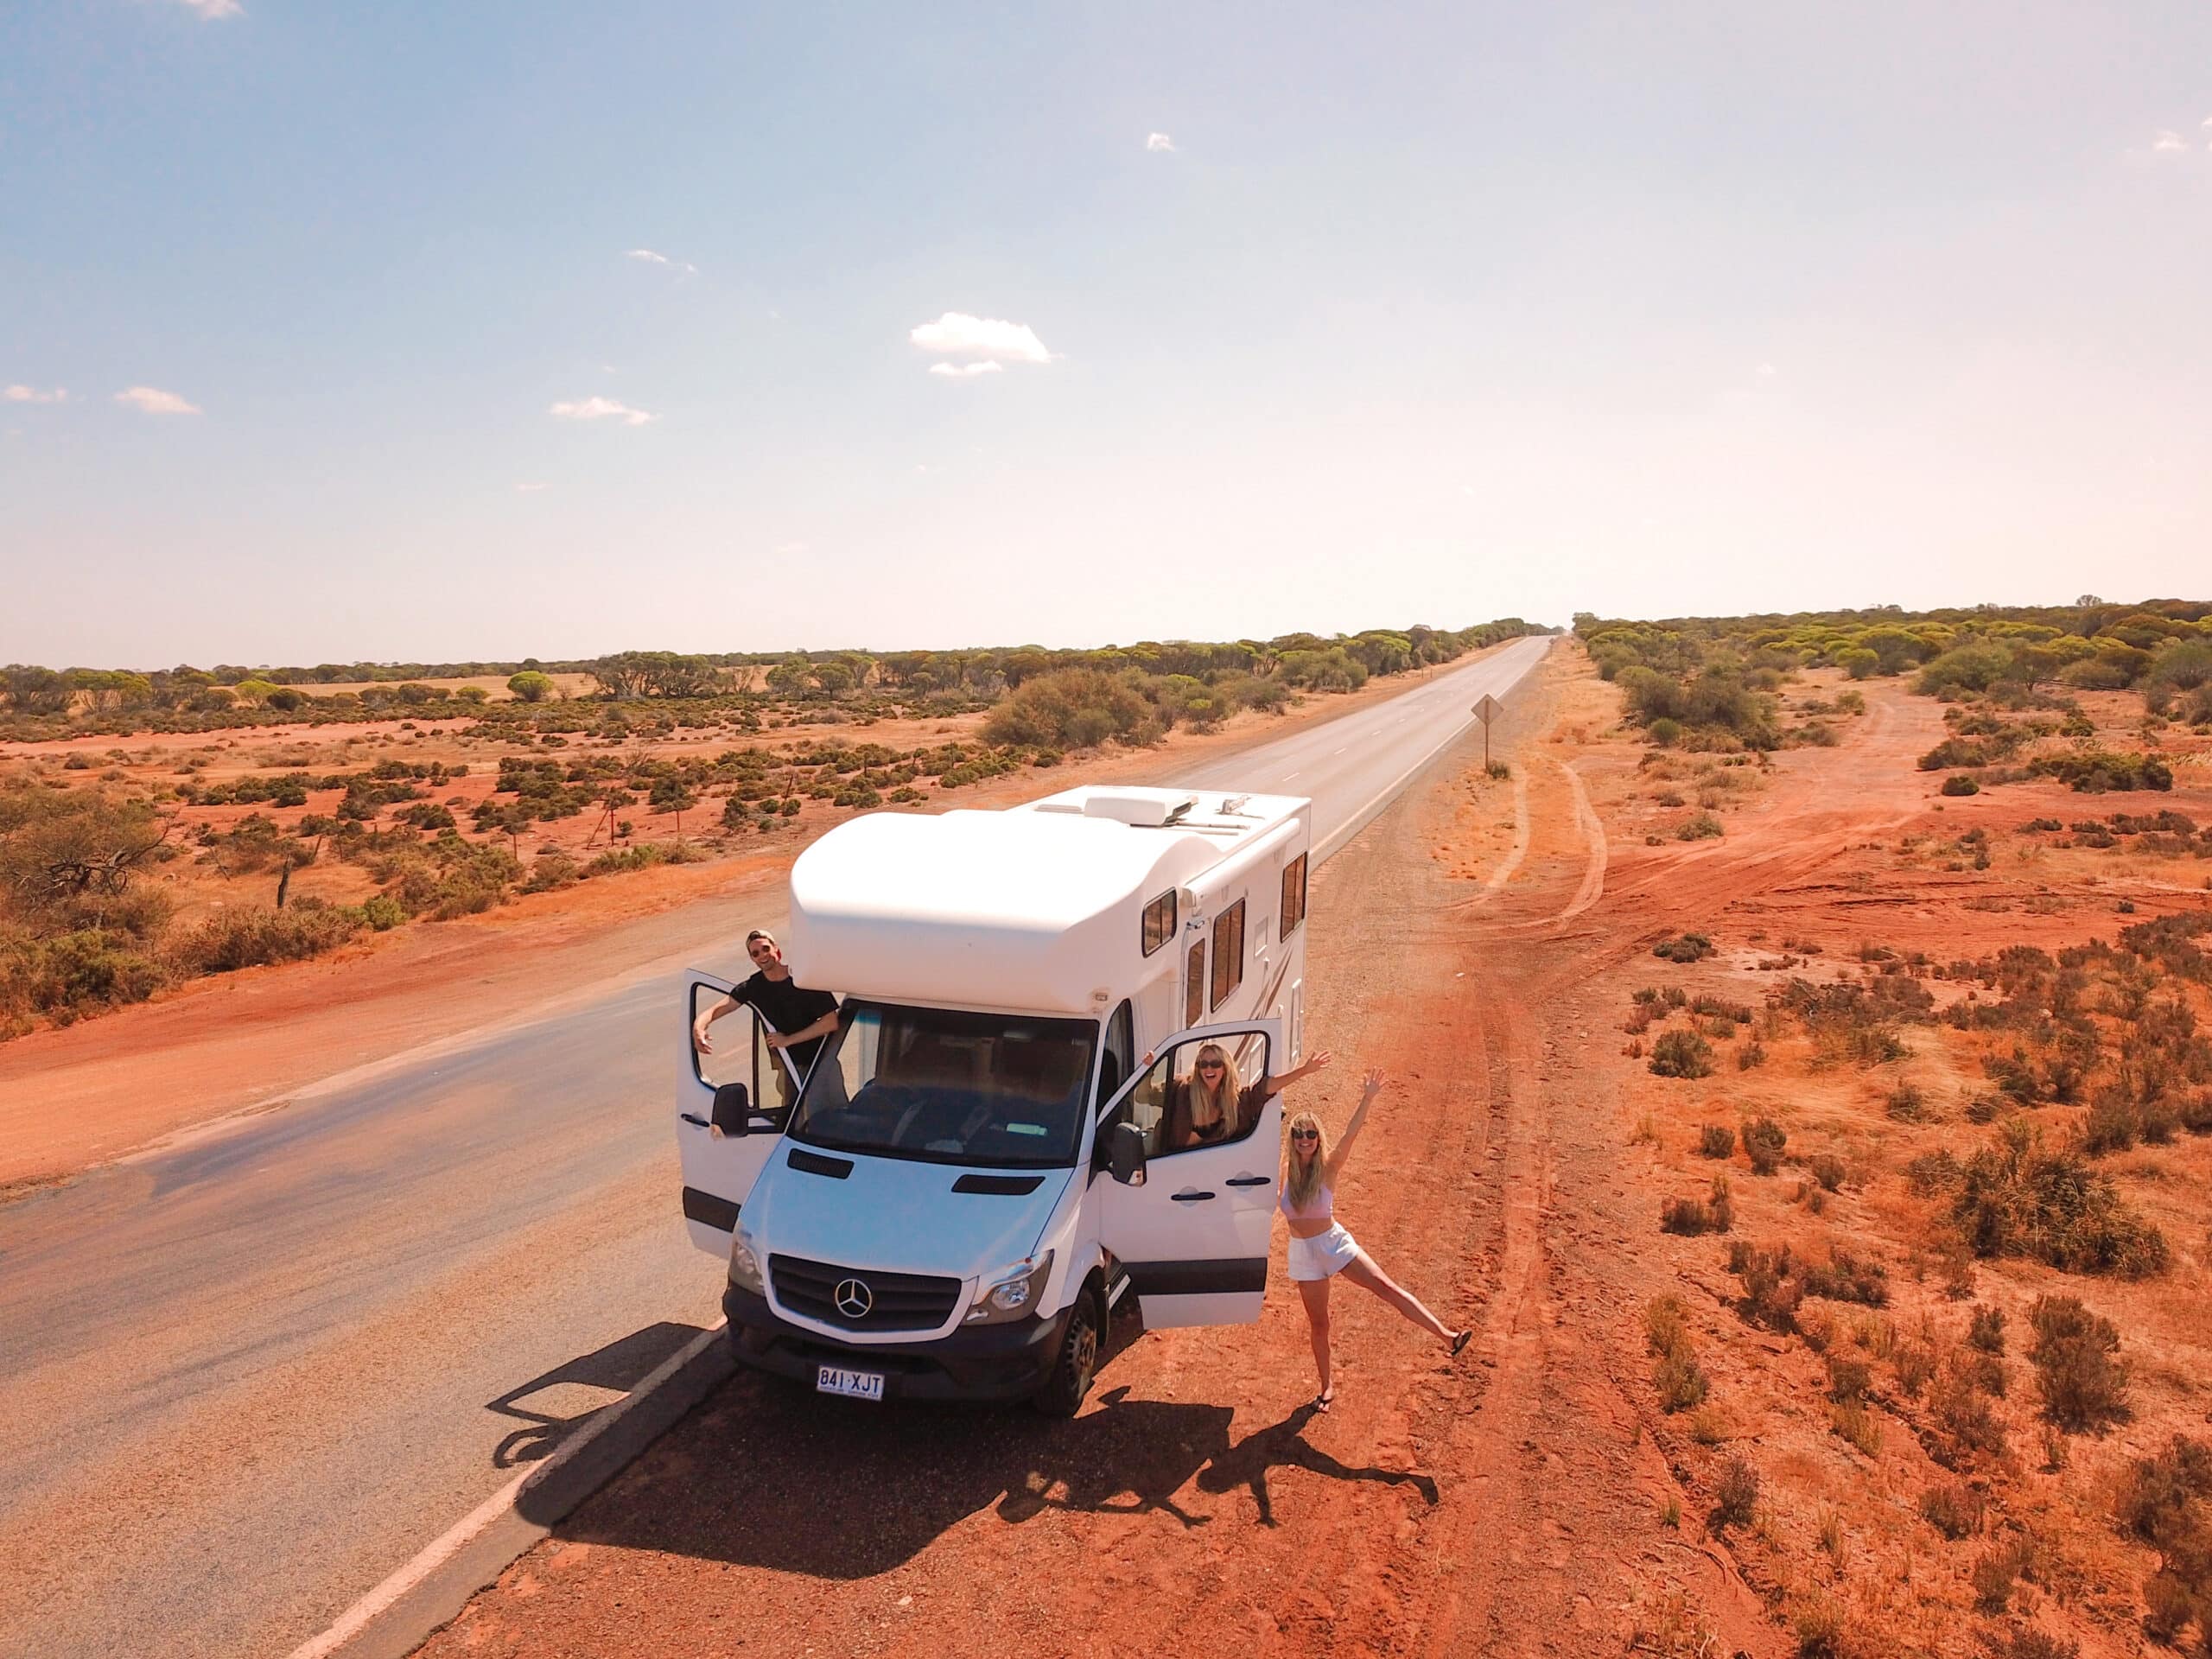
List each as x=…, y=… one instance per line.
x=1294, y=895
x=1181, y=1107
x=1119, y=1056
x=1228, y=953
x=1160, y=921
x=1194, y=985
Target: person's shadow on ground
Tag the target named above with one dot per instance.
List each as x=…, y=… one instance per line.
x=1284, y=1446
x=768, y=1474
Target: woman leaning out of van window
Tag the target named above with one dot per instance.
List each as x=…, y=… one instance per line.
x=1213, y=1104
x=1320, y=1248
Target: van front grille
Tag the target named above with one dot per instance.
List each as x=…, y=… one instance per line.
x=896, y=1301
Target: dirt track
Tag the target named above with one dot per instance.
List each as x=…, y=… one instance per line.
x=1510, y=1503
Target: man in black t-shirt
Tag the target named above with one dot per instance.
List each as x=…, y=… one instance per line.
x=796, y=1019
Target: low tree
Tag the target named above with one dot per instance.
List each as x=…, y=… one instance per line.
x=34, y=691
x=531, y=686
x=672, y=795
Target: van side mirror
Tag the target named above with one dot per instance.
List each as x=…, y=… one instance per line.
x=733, y=1108
x=1125, y=1154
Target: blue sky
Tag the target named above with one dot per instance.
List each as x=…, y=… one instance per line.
x=1431, y=314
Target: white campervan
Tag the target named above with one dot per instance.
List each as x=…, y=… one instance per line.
x=976, y=1171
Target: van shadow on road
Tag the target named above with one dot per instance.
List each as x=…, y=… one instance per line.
x=612, y=1371
x=768, y=1475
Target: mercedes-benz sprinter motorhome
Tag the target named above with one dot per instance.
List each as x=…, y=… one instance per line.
x=978, y=1167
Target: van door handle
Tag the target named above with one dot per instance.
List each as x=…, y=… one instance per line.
x=696, y=1122
x=1187, y=1196
x=1249, y=1181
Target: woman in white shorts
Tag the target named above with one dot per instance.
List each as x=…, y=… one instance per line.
x=1319, y=1247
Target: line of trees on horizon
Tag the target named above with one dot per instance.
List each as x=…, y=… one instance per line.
x=47, y=701
x=1709, y=681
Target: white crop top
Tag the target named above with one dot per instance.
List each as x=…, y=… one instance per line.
x=1323, y=1207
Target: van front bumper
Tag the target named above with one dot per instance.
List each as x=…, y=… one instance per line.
x=989, y=1362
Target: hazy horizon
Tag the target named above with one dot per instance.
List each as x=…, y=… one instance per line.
x=417, y=336
x=1562, y=627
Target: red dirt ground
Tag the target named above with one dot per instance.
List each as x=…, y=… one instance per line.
x=1479, y=942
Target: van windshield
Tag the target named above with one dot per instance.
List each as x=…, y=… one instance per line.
x=1005, y=1090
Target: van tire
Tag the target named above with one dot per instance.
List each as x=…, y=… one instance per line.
x=1077, y=1364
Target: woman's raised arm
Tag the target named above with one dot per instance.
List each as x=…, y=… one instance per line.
x=1277, y=1082
x=1369, y=1086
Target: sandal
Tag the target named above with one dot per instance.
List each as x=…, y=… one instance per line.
x=1324, y=1399
x=1460, y=1341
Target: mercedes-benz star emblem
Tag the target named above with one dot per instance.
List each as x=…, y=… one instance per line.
x=853, y=1298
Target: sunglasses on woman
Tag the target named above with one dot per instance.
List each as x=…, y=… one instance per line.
x=1306, y=1134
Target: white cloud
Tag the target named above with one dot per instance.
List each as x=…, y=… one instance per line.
x=32, y=395
x=210, y=10
x=957, y=335
x=2167, y=143
x=152, y=400
x=790, y=550
x=600, y=408
x=528, y=489
x=1158, y=143
x=964, y=370
x=1766, y=371
x=648, y=257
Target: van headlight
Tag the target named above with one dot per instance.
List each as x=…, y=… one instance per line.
x=1011, y=1293
x=745, y=1263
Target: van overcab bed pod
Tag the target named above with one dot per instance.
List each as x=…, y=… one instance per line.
x=977, y=1166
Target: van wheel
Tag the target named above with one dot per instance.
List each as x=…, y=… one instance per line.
x=1064, y=1391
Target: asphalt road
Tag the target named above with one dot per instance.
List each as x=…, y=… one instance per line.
x=243, y=1379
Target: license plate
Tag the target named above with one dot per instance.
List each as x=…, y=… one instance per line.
x=858, y=1385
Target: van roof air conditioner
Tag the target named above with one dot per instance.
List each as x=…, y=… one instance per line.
x=1153, y=810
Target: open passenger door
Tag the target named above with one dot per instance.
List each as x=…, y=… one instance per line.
x=719, y=1170
x=1192, y=1231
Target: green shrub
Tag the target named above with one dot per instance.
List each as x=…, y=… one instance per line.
x=1764, y=1140
x=1681, y=1054
x=643, y=856
x=1995, y=1574
x=382, y=912
x=2092, y=772
x=2165, y=1502
x=1717, y=1140
x=1689, y=947
x=2016, y=1198
x=551, y=871
x=1701, y=826
x=1675, y=1370
x=1772, y=1290
x=1736, y=1496
x=2083, y=1386
x=1715, y=1213
x=1960, y=784
x=250, y=936
x=72, y=974
x=1072, y=708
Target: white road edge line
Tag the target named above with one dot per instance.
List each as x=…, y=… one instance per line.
x=435, y=1554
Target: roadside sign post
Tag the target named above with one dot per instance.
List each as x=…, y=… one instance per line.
x=1486, y=711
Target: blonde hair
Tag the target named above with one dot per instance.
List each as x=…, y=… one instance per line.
x=1298, y=1185
x=1223, y=1098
